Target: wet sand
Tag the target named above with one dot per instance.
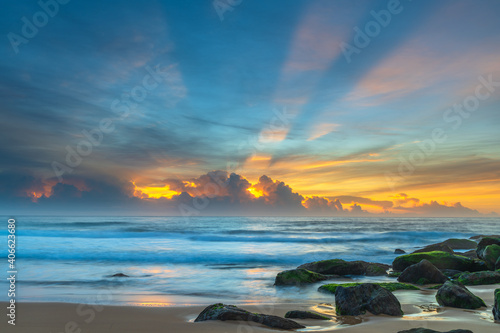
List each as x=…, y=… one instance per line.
x=419, y=310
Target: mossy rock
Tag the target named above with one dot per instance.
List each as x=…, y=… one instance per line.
x=452, y=273
x=458, y=296
x=427, y=330
x=435, y=247
x=441, y=260
x=479, y=278
x=297, y=277
x=496, y=307
x=460, y=244
x=394, y=274
x=297, y=314
x=342, y=267
x=357, y=300
x=485, y=241
x=422, y=273
x=391, y=286
x=491, y=255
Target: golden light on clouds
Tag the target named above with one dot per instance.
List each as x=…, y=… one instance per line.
x=255, y=192
x=155, y=192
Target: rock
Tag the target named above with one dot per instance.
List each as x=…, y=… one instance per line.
x=469, y=254
x=479, y=278
x=441, y=260
x=479, y=237
x=342, y=267
x=399, y=251
x=451, y=273
x=422, y=273
x=393, y=274
x=224, y=312
x=119, y=275
x=353, y=301
x=485, y=241
x=435, y=247
x=426, y=330
x=460, y=244
x=458, y=296
x=491, y=254
x=305, y=315
x=391, y=286
x=449, y=245
x=298, y=277
x=496, y=307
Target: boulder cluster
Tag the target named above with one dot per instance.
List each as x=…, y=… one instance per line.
x=436, y=266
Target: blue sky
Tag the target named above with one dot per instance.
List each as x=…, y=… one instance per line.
x=266, y=89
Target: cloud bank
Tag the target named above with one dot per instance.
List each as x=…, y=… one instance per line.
x=217, y=193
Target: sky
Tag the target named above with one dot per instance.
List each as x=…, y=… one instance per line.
x=238, y=107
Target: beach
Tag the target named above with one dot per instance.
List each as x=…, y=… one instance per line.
x=64, y=317
x=157, y=274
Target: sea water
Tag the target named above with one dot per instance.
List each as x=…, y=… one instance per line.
x=202, y=260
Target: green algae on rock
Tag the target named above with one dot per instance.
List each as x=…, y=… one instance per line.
x=342, y=267
x=479, y=278
x=441, y=260
x=391, y=286
x=298, y=277
x=458, y=296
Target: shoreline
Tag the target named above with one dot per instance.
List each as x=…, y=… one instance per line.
x=43, y=317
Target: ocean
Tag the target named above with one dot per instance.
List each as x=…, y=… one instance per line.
x=175, y=261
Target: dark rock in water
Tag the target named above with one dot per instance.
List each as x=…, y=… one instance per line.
x=479, y=278
x=479, y=237
x=451, y=273
x=353, y=301
x=458, y=296
x=305, y=315
x=441, y=260
x=224, y=312
x=460, y=244
x=422, y=273
x=298, y=277
x=435, y=247
x=491, y=255
x=496, y=307
x=341, y=267
x=119, y=275
x=426, y=330
x=485, y=241
x=469, y=254
x=399, y=251
x=449, y=245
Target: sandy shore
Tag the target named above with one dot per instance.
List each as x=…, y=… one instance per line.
x=66, y=317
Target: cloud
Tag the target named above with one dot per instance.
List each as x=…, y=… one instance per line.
x=436, y=209
x=402, y=199
x=322, y=129
x=214, y=193
x=346, y=199
x=316, y=204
